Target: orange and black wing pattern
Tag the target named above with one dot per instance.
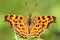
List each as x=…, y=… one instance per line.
x=17, y=22
x=41, y=24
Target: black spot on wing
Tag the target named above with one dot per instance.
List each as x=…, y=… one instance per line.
x=19, y=21
x=11, y=24
x=15, y=24
x=38, y=18
x=20, y=18
x=43, y=17
x=49, y=17
x=37, y=25
x=23, y=28
x=15, y=21
x=45, y=20
x=35, y=29
x=21, y=25
x=43, y=25
x=16, y=17
x=39, y=21
x=11, y=17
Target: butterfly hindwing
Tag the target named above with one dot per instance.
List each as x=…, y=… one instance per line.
x=36, y=30
x=18, y=24
x=41, y=24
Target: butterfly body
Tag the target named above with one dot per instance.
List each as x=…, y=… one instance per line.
x=33, y=27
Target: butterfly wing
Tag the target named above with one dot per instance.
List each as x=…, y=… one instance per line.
x=41, y=24
x=17, y=22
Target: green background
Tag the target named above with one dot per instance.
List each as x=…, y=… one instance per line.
x=45, y=7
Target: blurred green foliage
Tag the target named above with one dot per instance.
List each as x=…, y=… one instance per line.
x=45, y=7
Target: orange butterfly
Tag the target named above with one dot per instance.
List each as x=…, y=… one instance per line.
x=28, y=26
x=33, y=27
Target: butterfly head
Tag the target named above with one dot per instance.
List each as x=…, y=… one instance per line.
x=29, y=20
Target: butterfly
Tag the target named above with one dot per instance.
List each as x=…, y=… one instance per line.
x=33, y=27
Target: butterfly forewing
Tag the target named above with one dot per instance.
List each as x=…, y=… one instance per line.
x=41, y=24
x=18, y=24
x=45, y=20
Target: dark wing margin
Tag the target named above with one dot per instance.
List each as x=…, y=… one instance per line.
x=6, y=18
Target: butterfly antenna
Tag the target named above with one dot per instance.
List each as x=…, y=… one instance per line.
x=30, y=14
x=34, y=8
x=27, y=7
